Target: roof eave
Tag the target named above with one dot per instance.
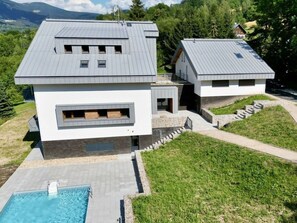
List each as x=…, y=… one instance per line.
x=19, y=80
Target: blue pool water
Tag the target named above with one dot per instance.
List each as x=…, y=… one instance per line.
x=70, y=205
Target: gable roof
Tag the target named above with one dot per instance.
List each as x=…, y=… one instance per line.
x=42, y=63
x=218, y=59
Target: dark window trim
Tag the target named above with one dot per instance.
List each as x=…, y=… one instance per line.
x=85, y=51
x=102, y=51
x=247, y=82
x=118, y=49
x=79, y=123
x=102, y=63
x=68, y=51
x=220, y=83
x=84, y=64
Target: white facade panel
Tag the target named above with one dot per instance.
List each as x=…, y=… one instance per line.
x=233, y=90
x=48, y=96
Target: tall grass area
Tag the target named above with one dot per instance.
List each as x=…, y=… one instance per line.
x=272, y=125
x=198, y=179
x=16, y=141
x=239, y=104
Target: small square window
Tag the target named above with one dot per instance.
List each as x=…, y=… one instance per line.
x=102, y=49
x=85, y=49
x=102, y=63
x=68, y=49
x=129, y=24
x=118, y=49
x=84, y=63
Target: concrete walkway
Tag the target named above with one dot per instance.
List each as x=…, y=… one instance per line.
x=251, y=144
x=199, y=123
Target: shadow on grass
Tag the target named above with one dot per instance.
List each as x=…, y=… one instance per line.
x=33, y=137
x=293, y=207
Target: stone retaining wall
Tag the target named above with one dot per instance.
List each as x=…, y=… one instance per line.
x=168, y=122
x=219, y=120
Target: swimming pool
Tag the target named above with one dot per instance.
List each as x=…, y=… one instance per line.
x=70, y=205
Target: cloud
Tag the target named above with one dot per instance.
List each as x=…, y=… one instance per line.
x=150, y=3
x=74, y=5
x=89, y=6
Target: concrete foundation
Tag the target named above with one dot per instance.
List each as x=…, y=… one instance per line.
x=214, y=102
x=121, y=145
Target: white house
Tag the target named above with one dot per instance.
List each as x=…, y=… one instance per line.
x=92, y=84
x=221, y=70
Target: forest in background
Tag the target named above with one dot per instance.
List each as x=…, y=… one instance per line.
x=274, y=37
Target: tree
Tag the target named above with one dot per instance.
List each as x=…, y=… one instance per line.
x=275, y=37
x=6, y=109
x=137, y=11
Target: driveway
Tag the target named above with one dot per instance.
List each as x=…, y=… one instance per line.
x=110, y=177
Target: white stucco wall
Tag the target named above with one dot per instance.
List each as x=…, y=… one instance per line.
x=205, y=89
x=48, y=96
x=208, y=91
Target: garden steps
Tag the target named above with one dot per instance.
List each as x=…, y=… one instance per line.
x=166, y=139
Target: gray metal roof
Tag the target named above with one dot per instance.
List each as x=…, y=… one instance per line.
x=43, y=65
x=218, y=59
x=119, y=32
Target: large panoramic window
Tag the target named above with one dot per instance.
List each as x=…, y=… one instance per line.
x=243, y=83
x=220, y=83
x=95, y=115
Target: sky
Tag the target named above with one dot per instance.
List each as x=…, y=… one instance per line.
x=97, y=6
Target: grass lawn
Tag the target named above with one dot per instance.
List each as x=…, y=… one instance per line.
x=239, y=104
x=15, y=140
x=272, y=125
x=198, y=179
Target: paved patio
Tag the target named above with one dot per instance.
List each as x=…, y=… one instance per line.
x=110, y=179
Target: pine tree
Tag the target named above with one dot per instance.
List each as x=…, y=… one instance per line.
x=6, y=109
x=136, y=12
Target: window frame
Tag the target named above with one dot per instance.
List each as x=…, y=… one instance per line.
x=101, y=63
x=85, y=51
x=84, y=63
x=247, y=83
x=120, y=51
x=220, y=83
x=82, y=122
x=102, y=51
x=68, y=51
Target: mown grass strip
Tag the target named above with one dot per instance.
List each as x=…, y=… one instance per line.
x=272, y=125
x=239, y=104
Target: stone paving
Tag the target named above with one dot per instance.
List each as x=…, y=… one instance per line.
x=110, y=179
